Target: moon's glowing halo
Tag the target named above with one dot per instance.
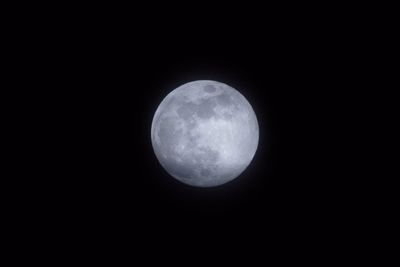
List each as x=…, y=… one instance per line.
x=204, y=133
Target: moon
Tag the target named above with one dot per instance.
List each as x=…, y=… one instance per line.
x=204, y=133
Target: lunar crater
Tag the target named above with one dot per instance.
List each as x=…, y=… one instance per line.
x=209, y=88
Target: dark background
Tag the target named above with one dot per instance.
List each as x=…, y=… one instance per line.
x=107, y=76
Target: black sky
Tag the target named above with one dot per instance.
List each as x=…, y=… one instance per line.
x=116, y=70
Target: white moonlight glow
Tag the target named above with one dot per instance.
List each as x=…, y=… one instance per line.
x=204, y=133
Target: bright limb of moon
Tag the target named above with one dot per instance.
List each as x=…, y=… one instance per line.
x=204, y=133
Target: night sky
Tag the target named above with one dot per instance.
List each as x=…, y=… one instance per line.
x=115, y=74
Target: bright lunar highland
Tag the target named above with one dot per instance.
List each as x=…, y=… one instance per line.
x=204, y=133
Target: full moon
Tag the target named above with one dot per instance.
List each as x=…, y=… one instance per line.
x=204, y=133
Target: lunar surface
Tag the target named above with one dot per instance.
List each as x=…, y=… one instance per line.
x=204, y=133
